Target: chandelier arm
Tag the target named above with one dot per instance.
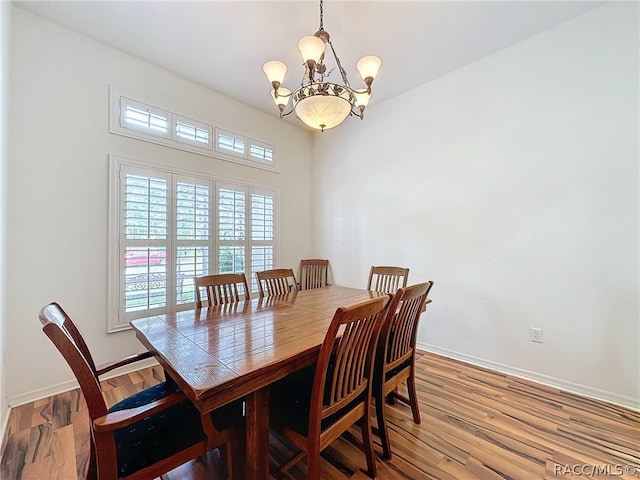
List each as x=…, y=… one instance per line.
x=306, y=75
x=359, y=115
x=283, y=95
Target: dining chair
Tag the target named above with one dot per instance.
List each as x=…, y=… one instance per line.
x=314, y=273
x=387, y=279
x=144, y=435
x=314, y=406
x=222, y=288
x=395, y=356
x=279, y=281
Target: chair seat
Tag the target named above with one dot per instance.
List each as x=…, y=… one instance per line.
x=394, y=371
x=151, y=394
x=157, y=437
x=291, y=401
x=164, y=433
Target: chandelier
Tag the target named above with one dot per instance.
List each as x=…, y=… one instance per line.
x=319, y=103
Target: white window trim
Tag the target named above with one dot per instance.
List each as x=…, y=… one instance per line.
x=116, y=127
x=116, y=320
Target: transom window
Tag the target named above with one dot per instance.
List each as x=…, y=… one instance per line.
x=142, y=121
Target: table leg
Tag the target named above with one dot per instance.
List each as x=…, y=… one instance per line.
x=257, y=417
x=238, y=444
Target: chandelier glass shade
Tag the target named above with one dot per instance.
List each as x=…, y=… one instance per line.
x=319, y=103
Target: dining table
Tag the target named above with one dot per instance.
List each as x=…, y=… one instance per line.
x=223, y=353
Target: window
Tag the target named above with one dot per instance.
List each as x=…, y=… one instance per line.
x=231, y=143
x=240, y=146
x=168, y=227
x=190, y=131
x=142, y=121
x=262, y=152
x=142, y=117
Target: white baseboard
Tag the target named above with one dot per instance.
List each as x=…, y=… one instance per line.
x=570, y=387
x=51, y=390
x=4, y=421
x=575, y=388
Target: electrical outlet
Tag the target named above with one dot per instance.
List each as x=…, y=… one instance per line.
x=535, y=334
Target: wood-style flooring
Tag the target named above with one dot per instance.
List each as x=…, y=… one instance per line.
x=476, y=425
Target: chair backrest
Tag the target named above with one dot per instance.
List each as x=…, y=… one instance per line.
x=387, y=279
x=398, y=336
x=222, y=288
x=345, y=362
x=313, y=273
x=279, y=281
x=61, y=330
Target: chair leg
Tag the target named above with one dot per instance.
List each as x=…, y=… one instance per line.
x=313, y=465
x=367, y=442
x=299, y=455
x=382, y=426
x=390, y=398
x=413, y=398
x=92, y=471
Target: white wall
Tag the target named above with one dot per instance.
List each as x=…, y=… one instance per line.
x=513, y=184
x=58, y=188
x=5, y=29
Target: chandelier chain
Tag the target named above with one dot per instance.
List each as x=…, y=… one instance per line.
x=342, y=71
x=321, y=14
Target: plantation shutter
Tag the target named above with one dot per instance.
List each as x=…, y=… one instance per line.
x=187, y=130
x=144, y=242
x=193, y=232
x=143, y=117
x=262, y=234
x=230, y=143
x=232, y=223
x=167, y=228
x=261, y=152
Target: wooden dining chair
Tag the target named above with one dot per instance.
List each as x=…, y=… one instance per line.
x=395, y=357
x=313, y=273
x=279, y=281
x=147, y=434
x=387, y=279
x=222, y=288
x=313, y=407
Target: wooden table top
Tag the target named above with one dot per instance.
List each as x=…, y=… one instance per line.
x=222, y=353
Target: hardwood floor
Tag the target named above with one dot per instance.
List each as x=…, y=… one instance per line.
x=476, y=425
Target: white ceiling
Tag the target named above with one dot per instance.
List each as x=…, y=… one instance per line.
x=223, y=44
